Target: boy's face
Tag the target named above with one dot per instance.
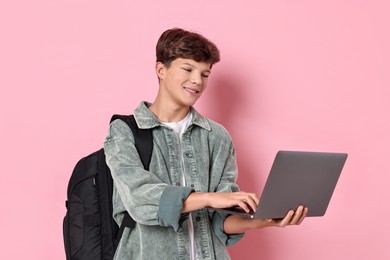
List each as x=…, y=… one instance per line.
x=184, y=81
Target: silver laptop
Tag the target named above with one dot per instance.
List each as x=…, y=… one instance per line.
x=297, y=178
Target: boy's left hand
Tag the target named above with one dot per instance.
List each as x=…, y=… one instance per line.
x=292, y=218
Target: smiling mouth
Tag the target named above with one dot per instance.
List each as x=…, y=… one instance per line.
x=192, y=91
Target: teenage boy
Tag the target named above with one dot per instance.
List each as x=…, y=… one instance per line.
x=193, y=166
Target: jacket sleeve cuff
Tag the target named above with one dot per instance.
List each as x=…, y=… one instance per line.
x=218, y=224
x=171, y=205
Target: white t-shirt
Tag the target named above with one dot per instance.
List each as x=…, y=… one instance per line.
x=179, y=128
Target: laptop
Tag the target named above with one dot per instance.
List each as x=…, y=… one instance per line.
x=297, y=178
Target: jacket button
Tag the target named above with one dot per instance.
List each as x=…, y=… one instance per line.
x=198, y=219
x=192, y=185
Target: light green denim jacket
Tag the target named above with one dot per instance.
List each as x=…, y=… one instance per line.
x=154, y=198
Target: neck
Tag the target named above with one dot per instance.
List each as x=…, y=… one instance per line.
x=169, y=112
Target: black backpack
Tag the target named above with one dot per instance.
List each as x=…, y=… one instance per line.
x=90, y=232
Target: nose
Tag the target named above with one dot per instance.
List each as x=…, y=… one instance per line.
x=196, y=79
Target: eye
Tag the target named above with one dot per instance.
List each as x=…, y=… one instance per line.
x=187, y=69
x=205, y=75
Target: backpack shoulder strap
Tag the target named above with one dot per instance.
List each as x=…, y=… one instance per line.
x=142, y=137
x=143, y=141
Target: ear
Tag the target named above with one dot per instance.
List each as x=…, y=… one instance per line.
x=160, y=70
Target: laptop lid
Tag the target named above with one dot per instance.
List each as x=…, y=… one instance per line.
x=298, y=178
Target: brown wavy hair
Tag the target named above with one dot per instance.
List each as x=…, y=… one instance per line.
x=178, y=43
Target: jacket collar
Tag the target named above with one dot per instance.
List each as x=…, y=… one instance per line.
x=146, y=119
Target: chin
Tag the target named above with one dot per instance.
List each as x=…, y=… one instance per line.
x=190, y=104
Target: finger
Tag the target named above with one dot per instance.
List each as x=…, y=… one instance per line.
x=250, y=199
x=287, y=219
x=297, y=215
x=254, y=198
x=243, y=205
x=252, y=203
x=304, y=214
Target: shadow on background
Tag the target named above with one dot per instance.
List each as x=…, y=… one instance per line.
x=231, y=104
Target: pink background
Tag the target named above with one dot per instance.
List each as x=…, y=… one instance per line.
x=300, y=75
